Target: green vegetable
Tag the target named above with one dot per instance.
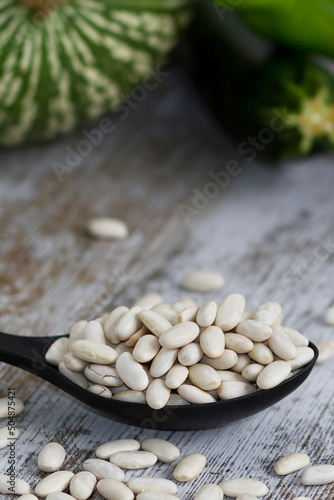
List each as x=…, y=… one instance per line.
x=301, y=24
x=63, y=62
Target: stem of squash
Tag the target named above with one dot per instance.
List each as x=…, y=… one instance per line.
x=42, y=7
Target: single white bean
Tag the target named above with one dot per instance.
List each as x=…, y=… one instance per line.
x=203, y=281
x=304, y=356
x=179, y=335
x=94, y=331
x=207, y=314
x=51, y=457
x=18, y=486
x=94, y=353
x=131, y=396
x=100, y=390
x=282, y=346
x=212, y=342
x=228, y=375
x=57, y=481
x=76, y=378
x=187, y=314
x=204, y=376
x=238, y=343
x=243, y=361
x=164, y=450
x=157, y=394
x=104, y=375
x=128, y=324
x=157, y=484
x=76, y=332
x=148, y=301
x=155, y=322
x=27, y=496
x=291, y=463
x=155, y=495
x=163, y=362
x=209, y=491
x=269, y=312
x=252, y=371
x=230, y=311
x=108, y=228
x=56, y=352
x=190, y=354
x=329, y=315
x=146, y=348
x=111, y=322
x=257, y=331
x=104, y=470
x=6, y=436
x=326, y=351
x=224, y=362
x=318, y=474
x=131, y=372
x=273, y=374
x=176, y=376
x=232, y=389
x=114, y=490
x=235, y=487
x=133, y=459
x=195, y=395
x=189, y=467
x=73, y=363
x=82, y=485
x=261, y=354
x=105, y=450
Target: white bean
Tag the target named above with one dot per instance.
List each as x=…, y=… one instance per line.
x=155, y=322
x=128, y=324
x=207, y=314
x=203, y=281
x=100, y=390
x=230, y=311
x=27, y=496
x=155, y=495
x=104, y=375
x=317, y=474
x=76, y=332
x=164, y=450
x=282, y=346
x=148, y=301
x=291, y=463
x=157, y=394
x=59, y=495
x=257, y=331
x=243, y=361
x=189, y=467
x=235, y=487
x=133, y=459
x=224, y=362
x=187, y=314
x=20, y=487
x=261, y=354
x=82, y=485
x=57, y=481
x=296, y=337
x=103, y=470
x=73, y=363
x=76, y=378
x=195, y=395
x=6, y=436
x=329, y=315
x=269, y=312
x=252, y=371
x=141, y=484
x=114, y=490
x=190, y=354
x=163, y=362
x=176, y=376
x=273, y=374
x=131, y=372
x=51, y=457
x=167, y=312
x=179, y=335
x=94, y=331
x=228, y=375
x=94, y=353
x=146, y=348
x=238, y=343
x=209, y=491
x=131, y=396
x=111, y=322
x=326, y=351
x=212, y=342
x=107, y=228
x=304, y=356
x=105, y=450
x=204, y=376
x=56, y=352
x=233, y=389
x=132, y=342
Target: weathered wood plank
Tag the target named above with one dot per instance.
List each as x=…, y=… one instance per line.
x=270, y=232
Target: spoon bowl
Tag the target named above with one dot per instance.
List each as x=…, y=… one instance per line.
x=28, y=353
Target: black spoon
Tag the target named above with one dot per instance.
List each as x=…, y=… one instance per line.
x=28, y=353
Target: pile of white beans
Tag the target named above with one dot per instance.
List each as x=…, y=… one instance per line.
x=106, y=474
x=175, y=354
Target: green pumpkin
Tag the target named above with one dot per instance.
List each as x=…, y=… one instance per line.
x=65, y=62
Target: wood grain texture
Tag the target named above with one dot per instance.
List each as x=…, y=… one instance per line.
x=270, y=232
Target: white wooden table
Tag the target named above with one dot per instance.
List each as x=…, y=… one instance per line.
x=270, y=232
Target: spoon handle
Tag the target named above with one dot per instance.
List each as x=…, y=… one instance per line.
x=27, y=353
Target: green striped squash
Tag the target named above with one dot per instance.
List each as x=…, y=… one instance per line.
x=65, y=62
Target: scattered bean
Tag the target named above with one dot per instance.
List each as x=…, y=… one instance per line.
x=189, y=467
x=82, y=485
x=107, y=228
x=20, y=487
x=209, y=491
x=235, y=487
x=57, y=481
x=105, y=450
x=326, y=351
x=114, y=490
x=203, y=281
x=318, y=474
x=103, y=470
x=133, y=459
x=164, y=450
x=142, y=484
x=291, y=463
x=51, y=457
